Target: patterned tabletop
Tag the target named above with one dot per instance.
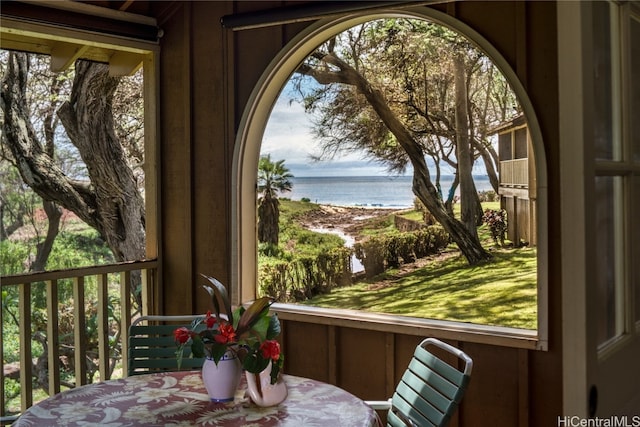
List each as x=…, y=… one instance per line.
x=180, y=399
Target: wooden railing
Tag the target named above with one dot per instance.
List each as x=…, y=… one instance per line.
x=102, y=289
x=514, y=172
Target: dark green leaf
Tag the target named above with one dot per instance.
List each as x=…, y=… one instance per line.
x=251, y=316
x=274, y=327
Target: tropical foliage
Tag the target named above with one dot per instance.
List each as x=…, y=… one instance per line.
x=249, y=332
x=273, y=178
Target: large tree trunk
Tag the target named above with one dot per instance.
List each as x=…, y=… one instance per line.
x=268, y=217
x=469, y=203
x=88, y=120
x=110, y=202
x=54, y=213
x=423, y=187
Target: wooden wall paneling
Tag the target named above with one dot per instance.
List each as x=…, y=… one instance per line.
x=176, y=143
x=495, y=21
x=390, y=372
x=254, y=50
x=492, y=398
x=545, y=368
x=306, y=350
x=332, y=354
x=211, y=177
x=523, y=388
x=545, y=388
x=361, y=361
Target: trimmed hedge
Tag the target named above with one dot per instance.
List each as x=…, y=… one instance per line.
x=378, y=254
x=305, y=276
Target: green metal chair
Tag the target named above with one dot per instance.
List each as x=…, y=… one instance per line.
x=152, y=345
x=430, y=389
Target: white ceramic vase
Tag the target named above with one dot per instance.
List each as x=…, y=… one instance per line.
x=222, y=381
x=262, y=392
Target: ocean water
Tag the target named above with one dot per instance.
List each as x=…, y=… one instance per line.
x=369, y=191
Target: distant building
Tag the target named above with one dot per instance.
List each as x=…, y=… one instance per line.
x=517, y=174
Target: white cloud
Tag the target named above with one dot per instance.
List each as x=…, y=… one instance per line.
x=288, y=137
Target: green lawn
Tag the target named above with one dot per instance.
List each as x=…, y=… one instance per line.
x=502, y=292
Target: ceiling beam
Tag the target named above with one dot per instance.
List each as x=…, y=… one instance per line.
x=68, y=14
x=65, y=54
x=311, y=11
x=124, y=64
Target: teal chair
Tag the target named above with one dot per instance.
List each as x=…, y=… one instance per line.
x=152, y=346
x=430, y=389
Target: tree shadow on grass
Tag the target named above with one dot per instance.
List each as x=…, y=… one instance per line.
x=502, y=292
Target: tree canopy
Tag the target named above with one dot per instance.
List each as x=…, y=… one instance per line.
x=403, y=91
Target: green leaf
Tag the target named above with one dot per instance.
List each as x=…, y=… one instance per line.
x=252, y=315
x=254, y=363
x=217, y=351
x=276, y=367
x=274, y=327
x=197, y=347
x=179, y=355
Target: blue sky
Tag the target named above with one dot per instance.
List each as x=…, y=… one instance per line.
x=288, y=137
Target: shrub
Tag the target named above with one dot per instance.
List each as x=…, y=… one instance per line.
x=371, y=253
x=379, y=253
x=497, y=223
x=306, y=276
x=406, y=244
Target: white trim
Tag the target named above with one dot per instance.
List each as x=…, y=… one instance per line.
x=444, y=329
x=573, y=244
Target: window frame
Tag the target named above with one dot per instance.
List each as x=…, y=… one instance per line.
x=244, y=176
x=624, y=168
x=124, y=56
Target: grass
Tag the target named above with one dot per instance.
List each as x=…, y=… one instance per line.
x=501, y=292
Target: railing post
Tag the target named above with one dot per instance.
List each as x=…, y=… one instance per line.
x=79, y=331
x=52, y=338
x=103, y=327
x=23, y=283
x=125, y=317
x=147, y=277
x=2, y=395
x=26, y=365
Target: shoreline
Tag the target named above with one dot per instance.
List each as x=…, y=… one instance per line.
x=343, y=220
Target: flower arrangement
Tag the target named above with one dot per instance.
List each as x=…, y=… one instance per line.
x=249, y=332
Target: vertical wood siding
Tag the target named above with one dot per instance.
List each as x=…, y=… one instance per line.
x=207, y=75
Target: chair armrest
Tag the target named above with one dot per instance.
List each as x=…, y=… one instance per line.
x=379, y=405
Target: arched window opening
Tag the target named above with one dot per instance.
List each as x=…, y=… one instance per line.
x=376, y=90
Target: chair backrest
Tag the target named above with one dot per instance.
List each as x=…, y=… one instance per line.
x=152, y=346
x=430, y=389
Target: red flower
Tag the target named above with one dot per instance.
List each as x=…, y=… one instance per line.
x=209, y=320
x=226, y=334
x=270, y=350
x=182, y=335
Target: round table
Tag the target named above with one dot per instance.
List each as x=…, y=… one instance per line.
x=180, y=399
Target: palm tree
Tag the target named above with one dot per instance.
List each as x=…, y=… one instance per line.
x=272, y=177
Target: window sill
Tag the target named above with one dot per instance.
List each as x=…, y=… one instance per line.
x=447, y=330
